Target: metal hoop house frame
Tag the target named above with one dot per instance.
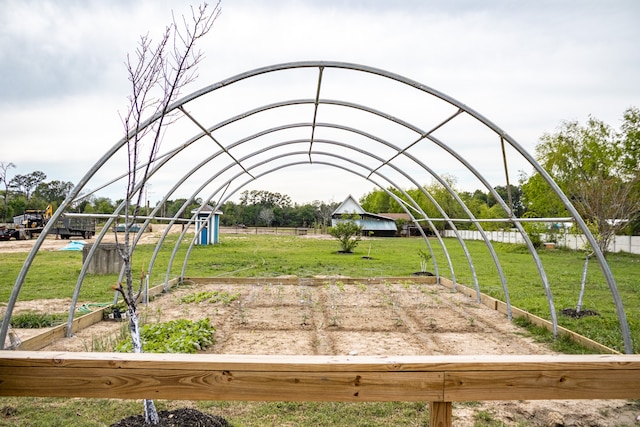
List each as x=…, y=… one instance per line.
x=427, y=135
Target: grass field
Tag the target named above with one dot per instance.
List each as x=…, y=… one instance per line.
x=54, y=273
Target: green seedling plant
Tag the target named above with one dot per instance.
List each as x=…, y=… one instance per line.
x=35, y=320
x=424, y=260
x=305, y=319
x=108, y=342
x=361, y=286
x=334, y=320
x=486, y=419
x=211, y=297
x=280, y=295
x=334, y=310
x=242, y=311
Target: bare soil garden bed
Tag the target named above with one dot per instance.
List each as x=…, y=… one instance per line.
x=402, y=317
x=329, y=317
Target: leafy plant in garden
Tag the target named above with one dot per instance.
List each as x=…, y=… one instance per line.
x=212, y=297
x=175, y=336
x=424, y=260
x=35, y=320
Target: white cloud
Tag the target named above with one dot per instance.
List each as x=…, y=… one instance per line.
x=525, y=67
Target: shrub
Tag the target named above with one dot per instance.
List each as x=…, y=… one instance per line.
x=348, y=233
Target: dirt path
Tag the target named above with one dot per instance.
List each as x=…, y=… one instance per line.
x=54, y=243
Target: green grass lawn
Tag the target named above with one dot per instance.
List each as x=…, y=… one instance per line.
x=30, y=412
x=54, y=275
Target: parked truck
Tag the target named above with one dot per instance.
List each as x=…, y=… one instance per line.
x=67, y=227
x=32, y=222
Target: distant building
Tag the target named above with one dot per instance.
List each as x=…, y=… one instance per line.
x=372, y=224
x=207, y=226
x=408, y=226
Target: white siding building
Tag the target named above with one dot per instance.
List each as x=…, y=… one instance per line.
x=371, y=224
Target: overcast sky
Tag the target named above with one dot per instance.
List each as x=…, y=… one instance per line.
x=525, y=65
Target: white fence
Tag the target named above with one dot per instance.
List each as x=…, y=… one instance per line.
x=629, y=244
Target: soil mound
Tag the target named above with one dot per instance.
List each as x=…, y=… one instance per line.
x=176, y=418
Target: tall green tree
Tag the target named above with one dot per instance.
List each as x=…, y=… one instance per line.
x=103, y=205
x=380, y=201
x=266, y=199
x=538, y=199
x=511, y=195
x=631, y=137
x=54, y=191
x=442, y=197
x=306, y=215
x=597, y=168
x=26, y=184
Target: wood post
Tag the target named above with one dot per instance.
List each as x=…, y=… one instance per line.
x=440, y=414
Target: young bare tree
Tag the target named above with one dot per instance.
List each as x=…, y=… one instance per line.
x=157, y=74
x=4, y=167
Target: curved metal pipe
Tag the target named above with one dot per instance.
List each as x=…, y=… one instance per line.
x=323, y=66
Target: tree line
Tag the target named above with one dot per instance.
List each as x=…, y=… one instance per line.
x=29, y=191
x=596, y=166
x=254, y=208
x=32, y=191
x=266, y=208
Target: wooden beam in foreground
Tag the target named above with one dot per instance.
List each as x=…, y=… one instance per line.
x=437, y=379
x=318, y=378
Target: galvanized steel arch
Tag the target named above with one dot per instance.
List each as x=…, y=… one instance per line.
x=321, y=67
x=275, y=169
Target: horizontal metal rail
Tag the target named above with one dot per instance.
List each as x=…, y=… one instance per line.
x=139, y=217
x=501, y=219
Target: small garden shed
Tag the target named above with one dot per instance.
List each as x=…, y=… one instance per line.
x=207, y=226
x=372, y=224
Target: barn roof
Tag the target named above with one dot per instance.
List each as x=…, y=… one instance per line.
x=350, y=206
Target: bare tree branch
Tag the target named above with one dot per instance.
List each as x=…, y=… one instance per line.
x=157, y=74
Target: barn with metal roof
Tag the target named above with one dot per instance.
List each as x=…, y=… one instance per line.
x=372, y=224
